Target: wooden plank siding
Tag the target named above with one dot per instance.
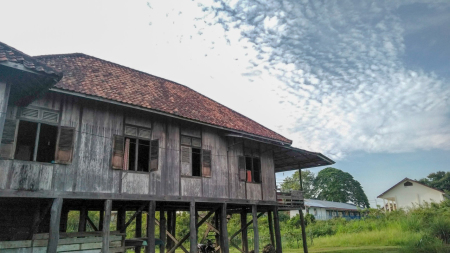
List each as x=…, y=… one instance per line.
x=96, y=124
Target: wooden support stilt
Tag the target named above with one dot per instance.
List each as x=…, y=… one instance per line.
x=162, y=229
x=224, y=229
x=255, y=229
x=245, y=227
x=64, y=220
x=138, y=232
x=170, y=230
x=55, y=217
x=272, y=237
x=192, y=227
x=100, y=221
x=151, y=227
x=302, y=221
x=276, y=220
x=217, y=224
x=105, y=225
x=82, y=222
x=244, y=230
x=121, y=216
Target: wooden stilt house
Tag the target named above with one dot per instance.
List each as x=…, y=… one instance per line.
x=81, y=133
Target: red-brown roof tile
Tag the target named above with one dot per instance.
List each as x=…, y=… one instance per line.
x=92, y=76
x=12, y=55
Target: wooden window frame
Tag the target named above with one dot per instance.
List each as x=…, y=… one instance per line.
x=36, y=140
x=187, y=141
x=138, y=138
x=252, y=169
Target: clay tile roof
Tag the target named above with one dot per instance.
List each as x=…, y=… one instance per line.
x=96, y=77
x=12, y=55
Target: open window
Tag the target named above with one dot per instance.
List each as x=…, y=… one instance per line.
x=135, y=151
x=36, y=137
x=195, y=161
x=249, y=169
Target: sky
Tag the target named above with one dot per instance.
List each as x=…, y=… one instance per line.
x=366, y=83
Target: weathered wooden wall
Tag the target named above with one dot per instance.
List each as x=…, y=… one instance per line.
x=96, y=123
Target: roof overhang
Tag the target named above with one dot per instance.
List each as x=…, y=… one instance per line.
x=288, y=158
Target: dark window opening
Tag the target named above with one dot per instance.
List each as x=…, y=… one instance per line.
x=256, y=170
x=408, y=184
x=32, y=133
x=196, y=162
x=248, y=166
x=47, y=143
x=252, y=171
x=26, y=140
x=143, y=155
x=137, y=154
x=130, y=146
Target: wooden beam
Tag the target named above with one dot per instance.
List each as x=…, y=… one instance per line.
x=91, y=223
x=192, y=227
x=82, y=221
x=255, y=229
x=171, y=236
x=272, y=237
x=246, y=226
x=162, y=229
x=151, y=227
x=237, y=247
x=188, y=235
x=244, y=230
x=133, y=217
x=105, y=225
x=55, y=217
x=224, y=229
x=279, y=247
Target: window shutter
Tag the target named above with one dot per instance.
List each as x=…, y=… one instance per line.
x=185, y=155
x=8, y=138
x=118, y=151
x=154, y=154
x=64, y=151
x=241, y=167
x=206, y=170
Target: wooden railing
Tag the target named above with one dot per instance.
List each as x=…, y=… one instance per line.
x=290, y=200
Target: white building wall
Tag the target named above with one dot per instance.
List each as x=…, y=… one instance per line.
x=319, y=213
x=410, y=196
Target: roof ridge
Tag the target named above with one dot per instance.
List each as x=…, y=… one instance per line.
x=145, y=73
x=404, y=179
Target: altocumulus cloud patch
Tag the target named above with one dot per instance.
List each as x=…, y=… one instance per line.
x=344, y=82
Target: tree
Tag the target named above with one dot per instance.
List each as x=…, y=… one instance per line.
x=439, y=180
x=293, y=183
x=335, y=185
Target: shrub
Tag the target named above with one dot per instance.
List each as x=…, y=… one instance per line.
x=440, y=228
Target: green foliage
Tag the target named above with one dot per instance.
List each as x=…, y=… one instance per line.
x=335, y=185
x=293, y=183
x=439, y=180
